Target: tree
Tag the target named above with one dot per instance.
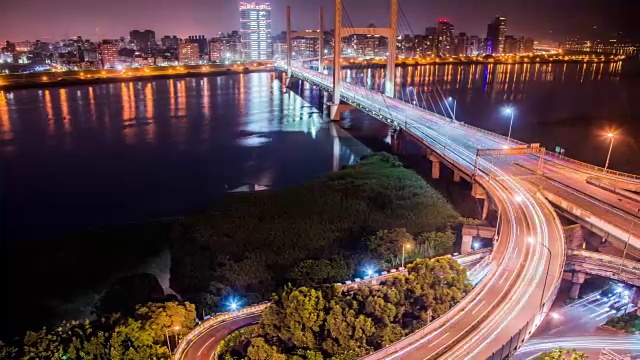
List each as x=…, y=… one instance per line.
x=347, y=332
x=260, y=350
x=387, y=244
x=318, y=272
x=296, y=317
x=436, y=243
x=159, y=318
x=127, y=292
x=132, y=341
x=562, y=354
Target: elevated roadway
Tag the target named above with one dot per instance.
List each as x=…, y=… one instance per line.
x=503, y=310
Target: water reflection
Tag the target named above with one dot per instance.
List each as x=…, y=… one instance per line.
x=5, y=121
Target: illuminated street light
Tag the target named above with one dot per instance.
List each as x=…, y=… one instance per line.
x=166, y=332
x=555, y=315
x=509, y=111
x=519, y=198
x=455, y=103
x=370, y=271
x=404, y=246
x=532, y=240
x=606, y=165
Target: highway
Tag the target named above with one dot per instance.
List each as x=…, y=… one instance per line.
x=503, y=309
x=203, y=343
x=204, y=347
x=509, y=297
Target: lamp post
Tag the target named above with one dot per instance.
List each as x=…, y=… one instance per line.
x=455, y=103
x=544, y=287
x=606, y=165
x=403, y=246
x=509, y=111
x=166, y=332
x=626, y=245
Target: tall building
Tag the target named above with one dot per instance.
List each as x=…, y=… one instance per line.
x=474, y=46
x=109, y=55
x=144, y=40
x=188, y=53
x=170, y=42
x=462, y=41
x=304, y=47
x=255, y=30
x=430, y=41
x=528, y=44
x=201, y=41
x=511, y=45
x=496, y=31
x=445, y=39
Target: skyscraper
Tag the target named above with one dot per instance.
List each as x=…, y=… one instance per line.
x=255, y=30
x=144, y=40
x=201, y=40
x=445, y=40
x=496, y=31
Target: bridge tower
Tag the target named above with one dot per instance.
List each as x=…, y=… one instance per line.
x=340, y=32
x=291, y=34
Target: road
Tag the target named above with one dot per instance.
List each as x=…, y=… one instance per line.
x=205, y=346
x=509, y=297
x=578, y=326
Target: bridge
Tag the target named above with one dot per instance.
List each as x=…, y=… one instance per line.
x=527, y=186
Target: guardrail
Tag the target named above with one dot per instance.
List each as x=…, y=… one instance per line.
x=216, y=319
x=604, y=258
x=551, y=156
x=558, y=157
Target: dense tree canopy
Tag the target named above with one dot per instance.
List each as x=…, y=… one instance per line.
x=139, y=337
x=124, y=294
x=325, y=322
x=315, y=233
x=562, y=354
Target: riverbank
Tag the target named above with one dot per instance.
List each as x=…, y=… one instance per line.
x=52, y=82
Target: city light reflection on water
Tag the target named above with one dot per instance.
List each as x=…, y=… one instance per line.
x=91, y=155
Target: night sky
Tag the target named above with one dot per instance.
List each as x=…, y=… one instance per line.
x=97, y=19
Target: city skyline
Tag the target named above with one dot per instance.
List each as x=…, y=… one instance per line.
x=552, y=20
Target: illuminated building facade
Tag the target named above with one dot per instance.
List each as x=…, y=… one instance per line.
x=445, y=44
x=255, y=31
x=496, y=32
x=109, y=55
x=188, y=53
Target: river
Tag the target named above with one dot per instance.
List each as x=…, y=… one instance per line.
x=83, y=156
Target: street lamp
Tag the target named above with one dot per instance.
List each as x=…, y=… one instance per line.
x=533, y=241
x=404, y=246
x=455, y=103
x=166, y=332
x=509, y=111
x=606, y=165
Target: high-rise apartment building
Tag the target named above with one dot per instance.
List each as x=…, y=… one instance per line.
x=445, y=45
x=462, y=41
x=201, y=40
x=528, y=45
x=109, y=55
x=430, y=41
x=496, y=31
x=144, y=40
x=255, y=30
x=188, y=53
x=170, y=42
x=511, y=45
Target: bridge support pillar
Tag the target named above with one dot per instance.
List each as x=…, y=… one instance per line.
x=435, y=165
x=485, y=208
x=335, y=110
x=479, y=193
x=576, y=281
x=467, y=242
x=456, y=176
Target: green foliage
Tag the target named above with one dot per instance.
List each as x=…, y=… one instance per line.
x=387, y=244
x=629, y=322
x=436, y=243
x=140, y=337
x=233, y=345
x=562, y=354
x=254, y=243
x=338, y=325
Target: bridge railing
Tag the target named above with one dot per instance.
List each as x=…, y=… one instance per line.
x=551, y=156
x=215, y=320
x=598, y=169
x=610, y=260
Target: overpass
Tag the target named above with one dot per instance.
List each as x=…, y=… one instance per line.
x=522, y=181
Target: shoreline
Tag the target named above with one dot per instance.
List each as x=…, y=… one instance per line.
x=75, y=81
